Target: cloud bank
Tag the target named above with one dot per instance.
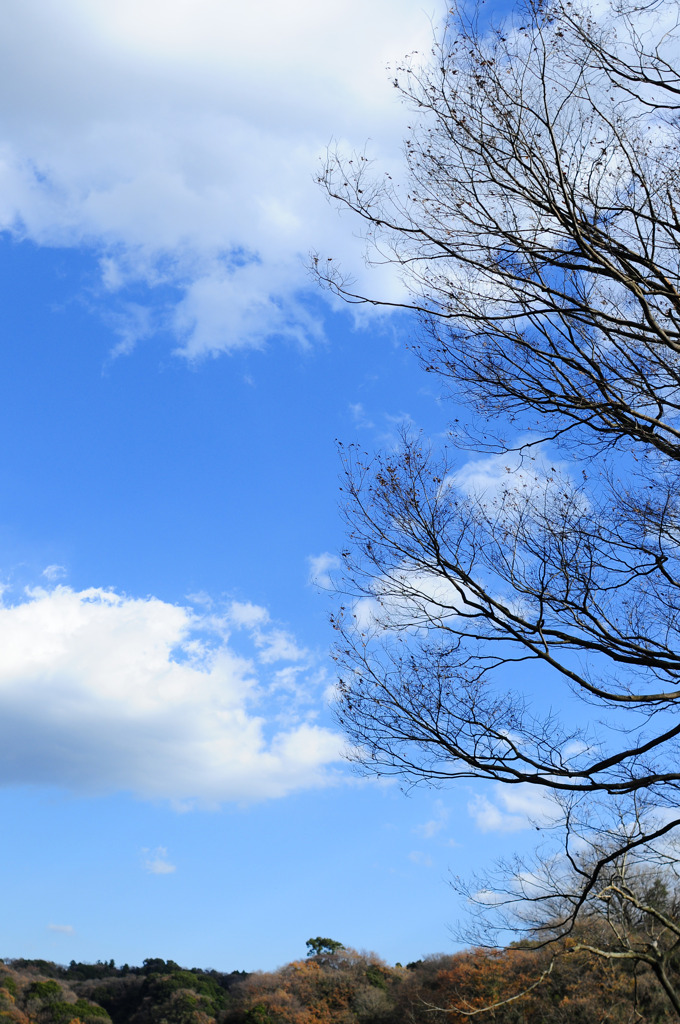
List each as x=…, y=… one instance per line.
x=101, y=692
x=179, y=139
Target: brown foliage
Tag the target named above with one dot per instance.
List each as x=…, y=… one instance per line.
x=343, y=988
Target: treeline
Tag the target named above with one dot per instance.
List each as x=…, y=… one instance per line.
x=336, y=985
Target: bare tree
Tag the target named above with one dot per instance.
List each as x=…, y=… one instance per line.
x=538, y=234
x=604, y=889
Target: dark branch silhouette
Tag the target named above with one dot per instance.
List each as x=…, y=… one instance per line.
x=538, y=233
x=512, y=605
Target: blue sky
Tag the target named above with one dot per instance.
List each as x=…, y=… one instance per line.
x=171, y=392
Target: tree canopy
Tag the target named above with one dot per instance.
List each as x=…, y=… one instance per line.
x=319, y=946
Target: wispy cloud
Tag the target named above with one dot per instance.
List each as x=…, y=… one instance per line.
x=245, y=615
x=512, y=809
x=320, y=569
x=54, y=572
x=422, y=859
x=359, y=416
x=156, y=861
x=432, y=828
x=272, y=643
x=64, y=929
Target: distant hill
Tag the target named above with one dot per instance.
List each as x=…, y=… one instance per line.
x=341, y=986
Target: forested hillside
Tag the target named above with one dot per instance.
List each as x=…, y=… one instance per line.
x=335, y=985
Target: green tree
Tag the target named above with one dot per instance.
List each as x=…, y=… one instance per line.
x=257, y=1014
x=45, y=991
x=320, y=946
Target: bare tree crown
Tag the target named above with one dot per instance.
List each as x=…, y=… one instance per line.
x=538, y=234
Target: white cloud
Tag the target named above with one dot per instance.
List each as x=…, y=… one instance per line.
x=434, y=826
x=180, y=140
x=277, y=645
x=245, y=615
x=576, y=748
x=102, y=692
x=320, y=568
x=64, y=929
x=489, y=898
x=513, y=479
x=54, y=572
x=358, y=413
x=513, y=808
x=273, y=644
x=494, y=475
x=409, y=598
x=422, y=859
x=489, y=817
x=156, y=861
